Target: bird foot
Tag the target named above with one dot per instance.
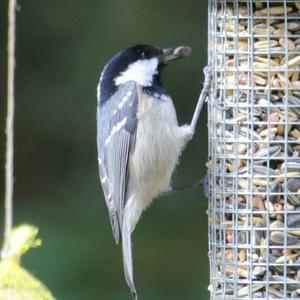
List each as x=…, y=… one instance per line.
x=201, y=182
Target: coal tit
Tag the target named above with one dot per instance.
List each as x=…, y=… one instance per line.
x=138, y=137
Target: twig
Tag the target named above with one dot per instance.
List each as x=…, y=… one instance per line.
x=10, y=119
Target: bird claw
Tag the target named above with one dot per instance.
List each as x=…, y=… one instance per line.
x=208, y=75
x=189, y=132
x=203, y=182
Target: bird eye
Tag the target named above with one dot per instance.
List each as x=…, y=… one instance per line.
x=148, y=53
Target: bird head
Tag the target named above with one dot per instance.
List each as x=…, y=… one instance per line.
x=141, y=63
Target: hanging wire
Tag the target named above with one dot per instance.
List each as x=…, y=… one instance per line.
x=8, y=204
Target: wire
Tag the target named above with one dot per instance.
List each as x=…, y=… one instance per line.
x=9, y=163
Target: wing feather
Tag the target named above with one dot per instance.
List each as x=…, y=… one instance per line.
x=116, y=129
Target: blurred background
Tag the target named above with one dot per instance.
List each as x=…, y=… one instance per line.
x=62, y=47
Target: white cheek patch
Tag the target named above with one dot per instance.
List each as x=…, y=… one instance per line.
x=141, y=71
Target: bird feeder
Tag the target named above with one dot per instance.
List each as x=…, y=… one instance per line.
x=254, y=149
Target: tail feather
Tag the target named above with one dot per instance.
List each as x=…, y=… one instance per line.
x=127, y=258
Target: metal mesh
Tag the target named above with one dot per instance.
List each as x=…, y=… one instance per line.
x=254, y=149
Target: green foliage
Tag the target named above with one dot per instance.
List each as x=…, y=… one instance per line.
x=16, y=283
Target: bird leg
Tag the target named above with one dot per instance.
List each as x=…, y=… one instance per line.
x=204, y=93
x=189, y=130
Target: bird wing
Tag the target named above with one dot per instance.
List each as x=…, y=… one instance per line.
x=116, y=128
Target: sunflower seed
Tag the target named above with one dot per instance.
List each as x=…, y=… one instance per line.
x=293, y=220
x=244, y=291
x=278, y=237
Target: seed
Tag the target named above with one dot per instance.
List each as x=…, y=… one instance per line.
x=243, y=11
x=280, y=129
x=295, y=76
x=287, y=44
x=242, y=45
x=263, y=29
x=293, y=26
x=241, y=118
x=245, y=290
x=282, y=279
x=258, y=203
x=291, y=116
x=278, y=237
x=295, y=232
x=289, y=207
x=271, y=151
x=259, y=270
x=267, y=61
x=276, y=224
x=276, y=10
x=294, y=61
x=265, y=44
x=296, y=84
x=242, y=148
x=243, y=183
x=240, y=271
x=274, y=118
x=242, y=255
x=230, y=27
x=258, y=4
x=293, y=220
x=295, y=133
x=268, y=131
x=279, y=31
x=274, y=293
x=259, y=80
x=287, y=258
x=255, y=220
x=282, y=80
x=260, y=182
x=278, y=207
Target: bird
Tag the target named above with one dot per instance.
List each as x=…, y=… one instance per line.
x=139, y=141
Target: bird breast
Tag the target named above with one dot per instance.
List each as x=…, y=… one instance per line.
x=157, y=148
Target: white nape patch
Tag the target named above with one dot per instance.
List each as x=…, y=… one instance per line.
x=141, y=71
x=115, y=129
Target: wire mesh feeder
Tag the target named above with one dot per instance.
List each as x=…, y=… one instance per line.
x=254, y=149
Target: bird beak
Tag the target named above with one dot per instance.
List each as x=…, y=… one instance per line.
x=169, y=54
